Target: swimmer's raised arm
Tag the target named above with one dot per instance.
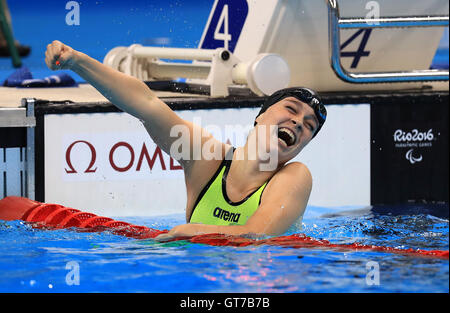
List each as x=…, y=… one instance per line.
x=126, y=92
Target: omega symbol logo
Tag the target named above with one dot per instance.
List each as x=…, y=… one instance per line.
x=89, y=169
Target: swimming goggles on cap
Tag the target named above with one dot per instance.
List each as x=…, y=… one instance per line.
x=303, y=94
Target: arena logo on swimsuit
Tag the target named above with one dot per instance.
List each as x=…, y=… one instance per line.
x=226, y=216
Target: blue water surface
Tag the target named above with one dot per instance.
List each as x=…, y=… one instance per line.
x=36, y=260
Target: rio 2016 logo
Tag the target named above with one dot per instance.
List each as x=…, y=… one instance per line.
x=413, y=135
x=413, y=139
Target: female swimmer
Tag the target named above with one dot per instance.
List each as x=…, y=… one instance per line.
x=249, y=190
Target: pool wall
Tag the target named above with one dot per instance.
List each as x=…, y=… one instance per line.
x=375, y=149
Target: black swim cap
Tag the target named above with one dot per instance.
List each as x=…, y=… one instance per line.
x=303, y=94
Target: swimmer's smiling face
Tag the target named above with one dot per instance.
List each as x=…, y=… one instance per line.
x=295, y=124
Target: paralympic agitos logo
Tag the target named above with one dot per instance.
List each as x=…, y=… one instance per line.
x=413, y=139
x=143, y=153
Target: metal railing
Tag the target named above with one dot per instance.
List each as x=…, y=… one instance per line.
x=335, y=24
x=17, y=164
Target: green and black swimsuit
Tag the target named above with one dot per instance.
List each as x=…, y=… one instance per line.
x=213, y=207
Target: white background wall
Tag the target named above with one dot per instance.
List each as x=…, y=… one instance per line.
x=339, y=159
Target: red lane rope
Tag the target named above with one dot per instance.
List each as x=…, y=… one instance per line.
x=303, y=241
x=57, y=217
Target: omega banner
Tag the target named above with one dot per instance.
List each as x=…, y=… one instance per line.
x=106, y=163
x=409, y=152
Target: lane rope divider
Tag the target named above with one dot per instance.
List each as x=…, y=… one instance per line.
x=55, y=216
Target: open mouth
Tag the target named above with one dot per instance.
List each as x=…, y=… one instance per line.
x=287, y=136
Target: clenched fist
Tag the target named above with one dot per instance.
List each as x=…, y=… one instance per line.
x=59, y=56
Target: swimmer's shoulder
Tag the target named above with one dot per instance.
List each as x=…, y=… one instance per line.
x=294, y=176
x=296, y=169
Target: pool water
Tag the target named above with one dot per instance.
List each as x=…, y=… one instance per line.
x=36, y=260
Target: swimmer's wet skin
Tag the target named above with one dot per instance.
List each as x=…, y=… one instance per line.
x=272, y=199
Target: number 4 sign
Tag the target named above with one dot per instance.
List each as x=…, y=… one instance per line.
x=225, y=24
x=358, y=54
